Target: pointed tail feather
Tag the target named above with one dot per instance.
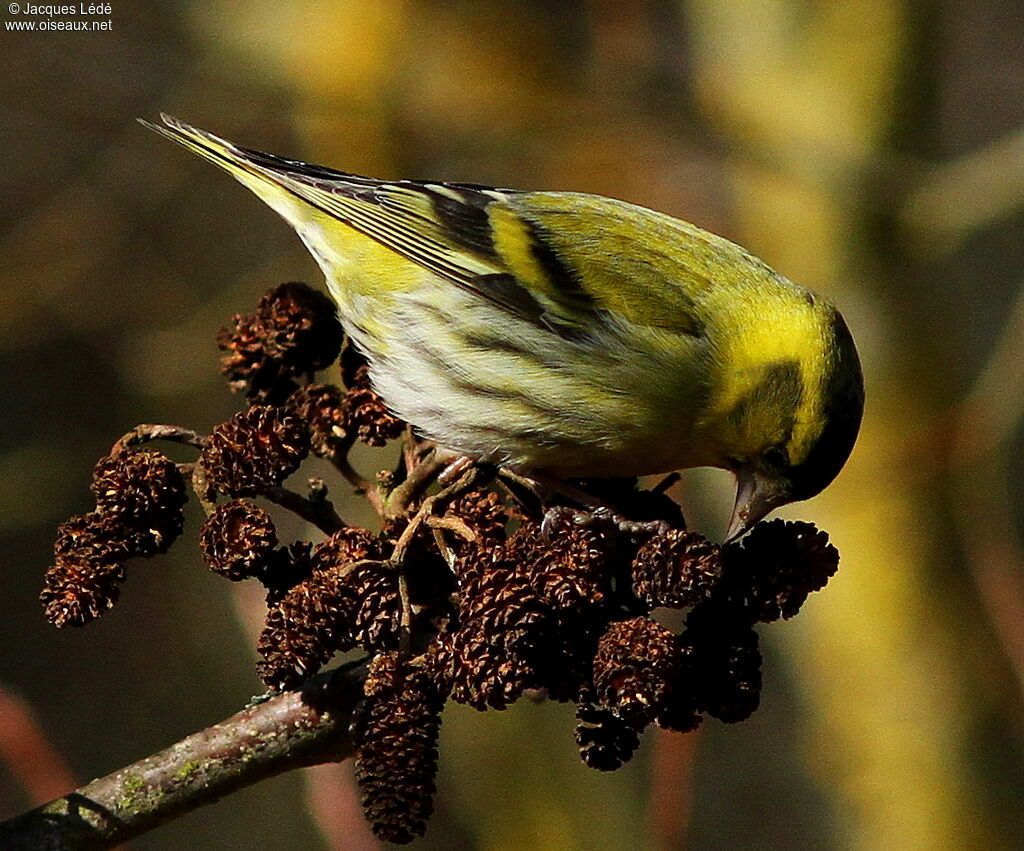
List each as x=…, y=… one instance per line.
x=284, y=185
x=402, y=217
x=219, y=151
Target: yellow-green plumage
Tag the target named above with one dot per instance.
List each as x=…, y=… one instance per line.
x=572, y=334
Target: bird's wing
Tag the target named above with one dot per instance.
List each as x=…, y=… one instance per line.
x=505, y=246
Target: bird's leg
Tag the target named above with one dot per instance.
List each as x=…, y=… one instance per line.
x=456, y=466
x=421, y=476
x=471, y=474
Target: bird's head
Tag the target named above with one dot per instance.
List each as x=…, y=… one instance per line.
x=794, y=427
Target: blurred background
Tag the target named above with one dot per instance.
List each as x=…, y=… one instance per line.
x=870, y=149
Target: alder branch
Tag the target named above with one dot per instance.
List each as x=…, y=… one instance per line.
x=288, y=731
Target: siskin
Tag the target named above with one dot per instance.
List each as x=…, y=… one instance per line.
x=569, y=334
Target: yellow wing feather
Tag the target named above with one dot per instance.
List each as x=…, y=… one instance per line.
x=559, y=260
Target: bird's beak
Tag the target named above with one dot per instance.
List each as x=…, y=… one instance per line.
x=756, y=495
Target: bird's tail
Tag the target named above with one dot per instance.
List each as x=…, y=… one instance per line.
x=227, y=155
x=291, y=188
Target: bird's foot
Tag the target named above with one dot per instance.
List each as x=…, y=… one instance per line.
x=602, y=515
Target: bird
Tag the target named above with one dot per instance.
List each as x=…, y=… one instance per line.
x=571, y=335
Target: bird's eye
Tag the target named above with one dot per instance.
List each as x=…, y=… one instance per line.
x=776, y=457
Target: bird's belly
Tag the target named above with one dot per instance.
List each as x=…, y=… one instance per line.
x=581, y=439
x=494, y=386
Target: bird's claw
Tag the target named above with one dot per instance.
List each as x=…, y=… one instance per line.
x=634, y=528
x=257, y=699
x=602, y=515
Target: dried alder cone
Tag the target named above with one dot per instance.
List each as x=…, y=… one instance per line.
x=293, y=334
x=476, y=589
x=139, y=499
x=255, y=450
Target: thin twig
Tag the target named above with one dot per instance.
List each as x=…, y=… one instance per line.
x=320, y=511
x=362, y=485
x=666, y=483
x=445, y=548
x=426, y=509
x=405, y=636
x=202, y=489
x=147, y=432
x=577, y=495
x=452, y=524
x=413, y=449
x=522, y=491
x=288, y=731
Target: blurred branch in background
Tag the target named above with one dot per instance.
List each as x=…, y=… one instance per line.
x=670, y=800
x=334, y=804
x=960, y=198
x=984, y=425
x=27, y=751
